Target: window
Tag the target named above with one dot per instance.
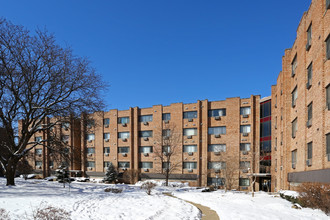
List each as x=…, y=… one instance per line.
x=90, y=123
x=123, y=120
x=245, y=128
x=166, y=165
x=294, y=128
x=106, y=122
x=90, y=164
x=145, y=134
x=189, y=131
x=265, y=146
x=38, y=151
x=166, y=132
x=122, y=150
x=65, y=125
x=106, y=164
x=189, y=165
x=327, y=41
x=216, y=148
x=90, y=150
x=309, y=114
x=294, y=66
x=123, y=165
x=265, y=129
x=123, y=135
x=309, y=37
x=327, y=4
x=245, y=147
x=146, y=165
x=145, y=149
x=244, y=164
x=106, y=150
x=90, y=137
x=166, y=149
x=38, y=139
x=265, y=109
x=190, y=115
x=217, y=130
x=66, y=150
x=145, y=118
x=328, y=96
x=217, y=112
x=65, y=138
x=309, y=75
x=215, y=181
x=244, y=182
x=216, y=165
x=294, y=158
x=106, y=136
x=310, y=150
x=294, y=95
x=189, y=148
x=281, y=138
x=328, y=145
x=38, y=163
x=51, y=163
x=245, y=110
x=166, y=116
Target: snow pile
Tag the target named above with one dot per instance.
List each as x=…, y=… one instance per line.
x=163, y=183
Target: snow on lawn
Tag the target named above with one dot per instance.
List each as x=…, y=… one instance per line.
x=89, y=201
x=239, y=205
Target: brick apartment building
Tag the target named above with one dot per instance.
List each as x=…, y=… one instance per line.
x=284, y=138
x=300, y=110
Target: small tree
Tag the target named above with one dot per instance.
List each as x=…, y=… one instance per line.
x=148, y=186
x=229, y=174
x=111, y=175
x=24, y=168
x=131, y=176
x=62, y=174
x=167, y=148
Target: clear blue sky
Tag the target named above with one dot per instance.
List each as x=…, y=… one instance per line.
x=166, y=51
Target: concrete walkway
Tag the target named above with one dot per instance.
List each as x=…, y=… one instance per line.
x=207, y=213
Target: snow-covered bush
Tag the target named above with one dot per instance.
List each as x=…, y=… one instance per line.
x=113, y=190
x=48, y=212
x=148, y=186
x=4, y=215
x=315, y=195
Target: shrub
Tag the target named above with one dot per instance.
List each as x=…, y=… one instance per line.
x=113, y=190
x=148, y=186
x=48, y=212
x=210, y=189
x=4, y=215
x=315, y=195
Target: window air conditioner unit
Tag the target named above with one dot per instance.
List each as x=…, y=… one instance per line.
x=166, y=138
x=281, y=143
x=190, y=153
x=124, y=168
x=216, y=152
x=281, y=167
x=275, y=105
x=90, y=168
x=106, y=140
x=245, y=153
x=190, y=170
x=165, y=169
x=244, y=188
x=189, y=137
x=146, y=154
x=146, y=123
x=89, y=126
x=90, y=141
x=165, y=153
x=66, y=129
x=124, y=124
x=90, y=154
x=217, y=136
x=38, y=167
x=217, y=118
x=217, y=170
x=245, y=134
x=245, y=171
x=106, y=126
x=66, y=142
x=190, y=120
x=309, y=162
x=308, y=85
x=146, y=138
x=309, y=123
x=124, y=154
x=39, y=155
x=275, y=169
x=245, y=116
x=293, y=166
x=166, y=121
x=106, y=154
x=146, y=170
x=50, y=167
x=308, y=46
x=124, y=139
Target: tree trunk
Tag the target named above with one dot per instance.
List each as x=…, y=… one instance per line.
x=11, y=171
x=167, y=175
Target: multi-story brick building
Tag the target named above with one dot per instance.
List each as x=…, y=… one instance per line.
x=300, y=110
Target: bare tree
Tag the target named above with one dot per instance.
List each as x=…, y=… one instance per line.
x=255, y=163
x=167, y=148
x=39, y=80
x=229, y=174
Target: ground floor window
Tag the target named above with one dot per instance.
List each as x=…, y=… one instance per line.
x=244, y=182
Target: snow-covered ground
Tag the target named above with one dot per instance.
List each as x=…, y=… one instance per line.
x=89, y=201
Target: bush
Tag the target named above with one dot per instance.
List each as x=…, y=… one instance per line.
x=113, y=190
x=4, y=215
x=148, y=186
x=210, y=189
x=315, y=195
x=48, y=212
